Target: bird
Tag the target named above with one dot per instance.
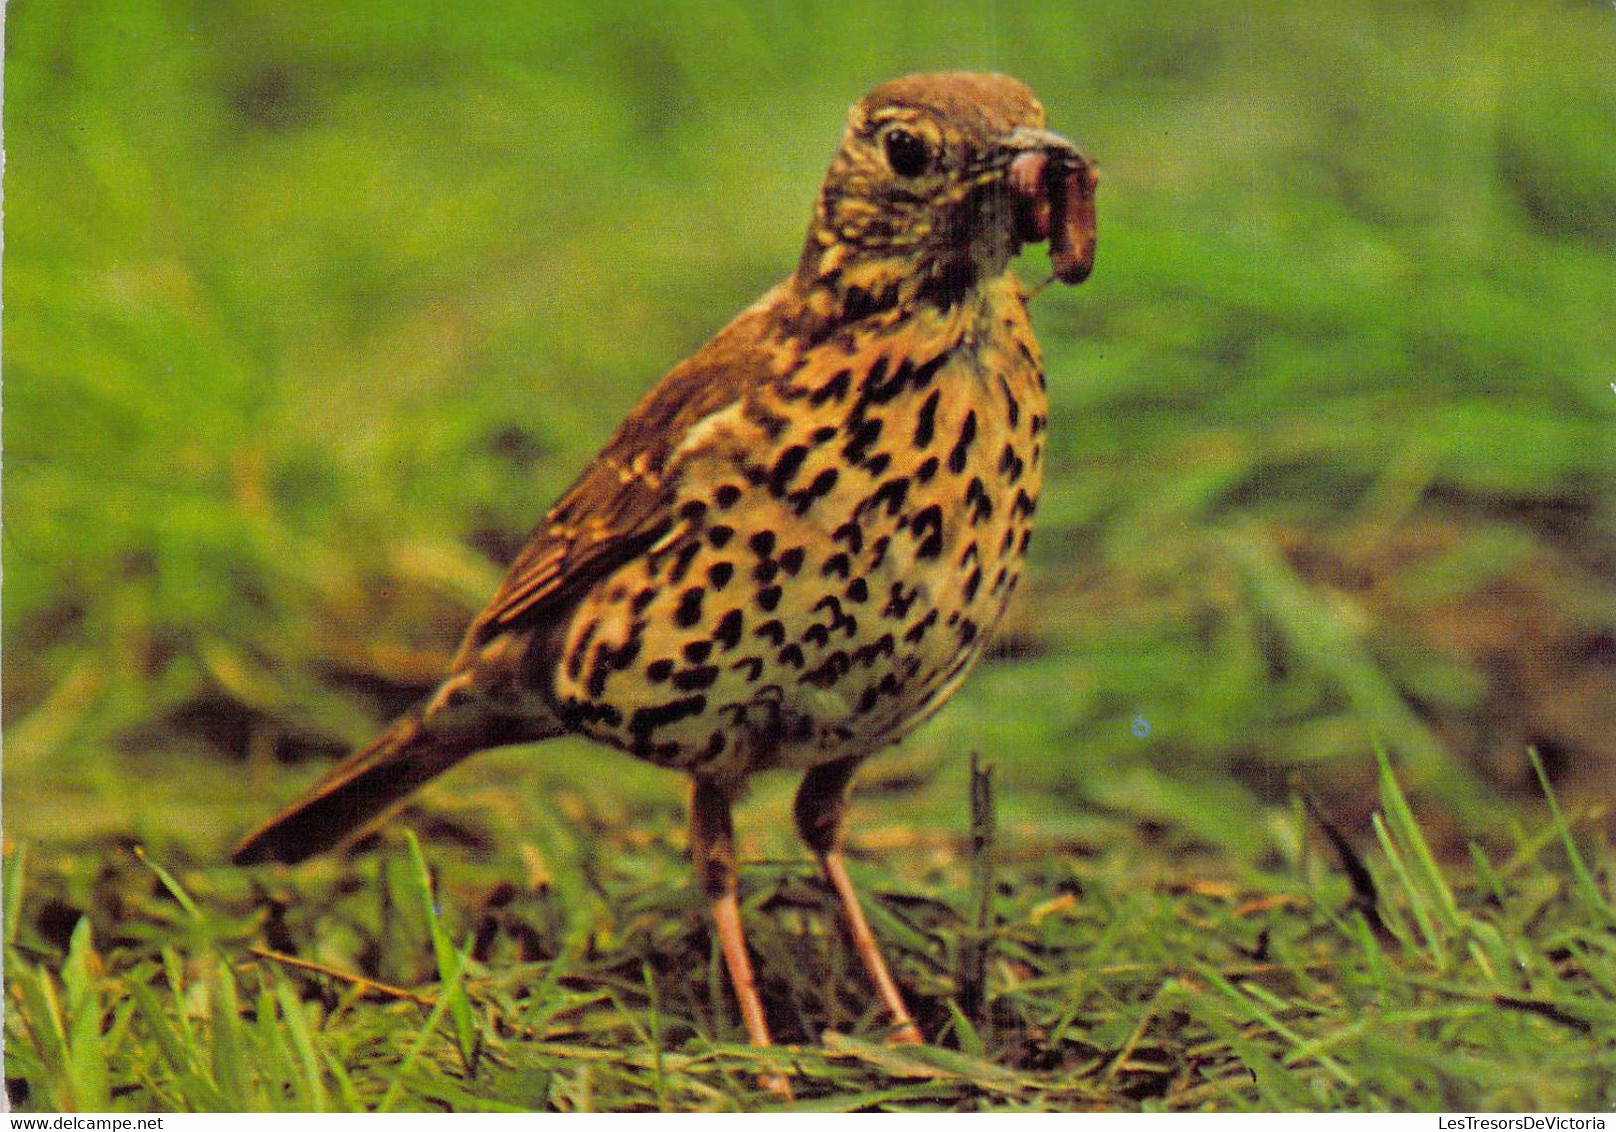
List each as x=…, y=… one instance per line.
x=793, y=550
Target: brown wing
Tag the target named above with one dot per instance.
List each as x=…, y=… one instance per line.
x=623, y=501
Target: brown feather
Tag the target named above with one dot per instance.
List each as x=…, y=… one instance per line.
x=622, y=501
x=353, y=794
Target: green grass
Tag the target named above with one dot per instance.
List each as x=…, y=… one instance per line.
x=1045, y=983
x=311, y=309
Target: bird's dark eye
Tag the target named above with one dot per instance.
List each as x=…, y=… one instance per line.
x=906, y=153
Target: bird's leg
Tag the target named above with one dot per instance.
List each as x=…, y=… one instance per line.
x=712, y=844
x=821, y=811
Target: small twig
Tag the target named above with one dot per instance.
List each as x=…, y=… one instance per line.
x=974, y=949
x=385, y=990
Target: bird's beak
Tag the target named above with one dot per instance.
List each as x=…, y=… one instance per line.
x=1053, y=183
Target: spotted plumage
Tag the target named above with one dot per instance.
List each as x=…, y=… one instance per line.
x=805, y=640
x=795, y=547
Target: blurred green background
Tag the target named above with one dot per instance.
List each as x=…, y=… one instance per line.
x=311, y=309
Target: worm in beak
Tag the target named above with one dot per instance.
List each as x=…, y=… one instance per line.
x=1053, y=184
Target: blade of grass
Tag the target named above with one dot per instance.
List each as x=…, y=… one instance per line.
x=1277, y=1087
x=280, y=1071
x=229, y=1049
x=1604, y=978
x=174, y=976
x=42, y=1014
x=1401, y=820
x=297, y=1025
x=970, y=1042
x=1491, y=882
x=433, y=1085
x=659, y=1078
x=175, y=889
x=1416, y=899
x=444, y=951
x=347, y=1093
x=1587, y=887
x=86, y=1055
x=178, y=1051
x=930, y=1062
x=1260, y=1012
x=446, y=994
x=1168, y=990
x=865, y=1102
x=11, y=880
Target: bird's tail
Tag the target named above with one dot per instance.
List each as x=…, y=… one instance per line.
x=356, y=792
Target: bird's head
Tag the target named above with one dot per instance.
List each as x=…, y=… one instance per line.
x=938, y=181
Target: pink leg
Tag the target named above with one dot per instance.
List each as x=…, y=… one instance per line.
x=821, y=811
x=712, y=843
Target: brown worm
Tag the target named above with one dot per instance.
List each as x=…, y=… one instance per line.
x=1072, y=234
x=1055, y=202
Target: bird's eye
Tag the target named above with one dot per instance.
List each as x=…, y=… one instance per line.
x=907, y=153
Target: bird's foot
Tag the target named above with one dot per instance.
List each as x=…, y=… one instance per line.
x=777, y=1083
x=906, y=1033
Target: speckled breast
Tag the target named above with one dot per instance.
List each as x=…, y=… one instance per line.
x=848, y=538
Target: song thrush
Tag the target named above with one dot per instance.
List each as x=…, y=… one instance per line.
x=793, y=550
